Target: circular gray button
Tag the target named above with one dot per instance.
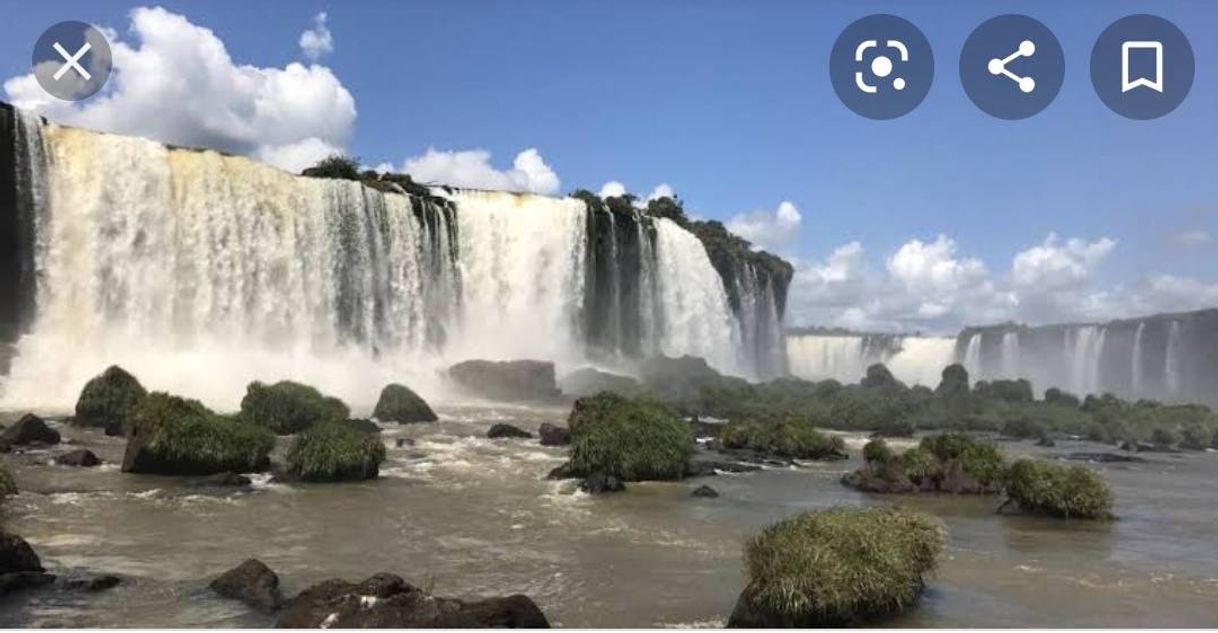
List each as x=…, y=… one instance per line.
x=1142, y=66
x=881, y=66
x=72, y=61
x=1012, y=66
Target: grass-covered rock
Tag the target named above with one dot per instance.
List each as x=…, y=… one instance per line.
x=792, y=439
x=957, y=463
x=108, y=399
x=1067, y=492
x=398, y=403
x=837, y=566
x=8, y=485
x=169, y=435
x=335, y=451
x=633, y=439
x=289, y=407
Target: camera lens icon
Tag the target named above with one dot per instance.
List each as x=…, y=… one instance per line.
x=881, y=67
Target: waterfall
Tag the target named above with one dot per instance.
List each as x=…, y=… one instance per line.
x=1087, y=348
x=1137, y=381
x=1171, y=360
x=972, y=356
x=1010, y=353
x=915, y=360
x=200, y=272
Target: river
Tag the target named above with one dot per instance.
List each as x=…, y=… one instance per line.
x=468, y=516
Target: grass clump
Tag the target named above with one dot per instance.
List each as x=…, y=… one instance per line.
x=108, y=399
x=794, y=439
x=289, y=407
x=981, y=460
x=877, y=450
x=398, y=403
x=1068, y=492
x=175, y=436
x=633, y=439
x=8, y=485
x=837, y=566
x=335, y=451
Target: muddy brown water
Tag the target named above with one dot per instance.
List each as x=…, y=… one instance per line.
x=470, y=517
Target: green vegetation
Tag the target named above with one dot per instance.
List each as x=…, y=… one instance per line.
x=335, y=451
x=837, y=566
x=334, y=166
x=107, y=399
x=631, y=439
x=399, y=404
x=877, y=451
x=793, y=439
x=1043, y=487
x=288, y=407
x=952, y=462
x=8, y=485
x=172, y=435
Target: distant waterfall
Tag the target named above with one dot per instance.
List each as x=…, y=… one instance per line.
x=914, y=360
x=972, y=356
x=200, y=272
x=1136, y=369
x=1171, y=360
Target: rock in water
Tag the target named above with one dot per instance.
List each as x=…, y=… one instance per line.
x=80, y=457
x=30, y=429
x=399, y=404
x=91, y=583
x=367, y=426
x=510, y=381
x=227, y=479
x=20, y=567
x=705, y=491
x=387, y=601
x=507, y=430
x=251, y=582
x=599, y=482
x=108, y=399
x=589, y=382
x=553, y=435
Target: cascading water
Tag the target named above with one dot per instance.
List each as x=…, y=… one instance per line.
x=1171, y=360
x=1010, y=353
x=200, y=272
x=972, y=356
x=1137, y=381
x=915, y=360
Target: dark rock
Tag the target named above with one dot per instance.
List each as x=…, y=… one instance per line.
x=19, y=580
x=599, y=482
x=16, y=555
x=108, y=399
x=251, y=582
x=589, y=381
x=705, y=491
x=553, y=435
x=398, y=403
x=223, y=480
x=1106, y=458
x=708, y=468
x=1046, y=441
x=1142, y=447
x=30, y=429
x=702, y=428
x=387, y=601
x=80, y=457
x=403, y=442
x=367, y=426
x=100, y=582
x=507, y=430
x=512, y=381
x=682, y=379
x=880, y=479
x=561, y=472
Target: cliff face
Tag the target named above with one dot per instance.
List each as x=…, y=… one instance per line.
x=17, y=283
x=1169, y=357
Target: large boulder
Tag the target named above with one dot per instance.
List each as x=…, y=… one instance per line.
x=507, y=431
x=1055, y=490
x=175, y=436
x=288, y=407
x=632, y=439
x=681, y=379
x=589, y=382
x=82, y=457
x=954, y=463
x=510, y=381
x=108, y=399
x=30, y=429
x=399, y=404
x=251, y=582
x=334, y=451
x=553, y=435
x=20, y=567
x=387, y=601
x=837, y=566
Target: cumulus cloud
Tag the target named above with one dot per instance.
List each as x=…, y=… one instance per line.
x=768, y=229
x=1055, y=264
x=662, y=190
x=1192, y=239
x=317, y=41
x=291, y=115
x=473, y=169
x=612, y=189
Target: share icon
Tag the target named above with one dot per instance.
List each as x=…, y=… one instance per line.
x=998, y=66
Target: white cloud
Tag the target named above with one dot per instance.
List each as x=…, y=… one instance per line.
x=768, y=229
x=316, y=42
x=1055, y=264
x=176, y=83
x=296, y=156
x=662, y=190
x=472, y=169
x=1192, y=239
x=612, y=189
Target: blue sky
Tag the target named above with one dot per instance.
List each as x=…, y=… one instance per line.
x=730, y=104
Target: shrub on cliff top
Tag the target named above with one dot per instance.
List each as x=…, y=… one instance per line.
x=334, y=166
x=289, y=407
x=399, y=404
x=175, y=436
x=793, y=439
x=335, y=451
x=107, y=399
x=1060, y=491
x=837, y=566
x=633, y=439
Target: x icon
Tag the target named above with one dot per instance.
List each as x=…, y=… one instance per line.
x=73, y=61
